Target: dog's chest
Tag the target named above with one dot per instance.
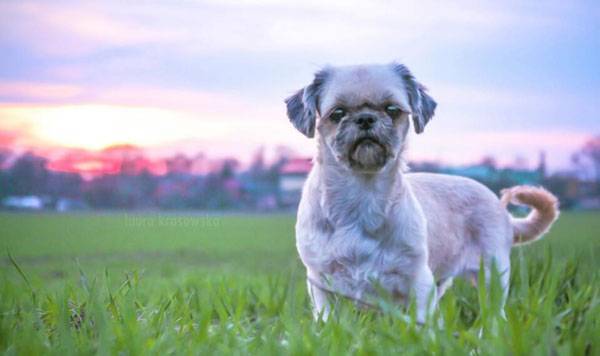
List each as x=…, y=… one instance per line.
x=354, y=238
x=356, y=260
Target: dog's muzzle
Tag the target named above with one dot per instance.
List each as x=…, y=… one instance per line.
x=368, y=153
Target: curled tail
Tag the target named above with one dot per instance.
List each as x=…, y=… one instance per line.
x=544, y=211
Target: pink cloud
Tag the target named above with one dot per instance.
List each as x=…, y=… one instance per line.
x=38, y=91
x=8, y=138
x=178, y=99
x=72, y=29
x=200, y=103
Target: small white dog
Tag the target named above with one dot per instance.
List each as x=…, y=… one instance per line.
x=364, y=224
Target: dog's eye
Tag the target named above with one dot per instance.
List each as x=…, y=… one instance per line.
x=337, y=115
x=393, y=110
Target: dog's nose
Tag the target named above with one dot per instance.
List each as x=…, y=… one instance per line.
x=365, y=121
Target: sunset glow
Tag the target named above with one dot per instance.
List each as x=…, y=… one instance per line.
x=98, y=126
x=211, y=77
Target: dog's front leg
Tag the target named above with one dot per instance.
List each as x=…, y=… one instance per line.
x=321, y=305
x=424, y=291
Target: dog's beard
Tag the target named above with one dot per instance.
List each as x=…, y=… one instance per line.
x=368, y=154
x=365, y=151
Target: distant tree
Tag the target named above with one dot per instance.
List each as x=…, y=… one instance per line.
x=588, y=159
x=178, y=164
x=229, y=167
x=217, y=187
x=541, y=168
x=28, y=175
x=565, y=187
x=4, y=156
x=489, y=161
x=62, y=184
x=147, y=184
x=102, y=193
x=257, y=166
x=425, y=166
x=4, y=184
x=284, y=153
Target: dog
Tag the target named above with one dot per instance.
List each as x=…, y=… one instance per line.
x=366, y=226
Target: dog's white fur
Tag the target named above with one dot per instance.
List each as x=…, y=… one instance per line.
x=360, y=229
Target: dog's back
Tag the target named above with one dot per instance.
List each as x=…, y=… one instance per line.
x=462, y=216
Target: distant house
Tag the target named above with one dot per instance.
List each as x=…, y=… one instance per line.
x=67, y=204
x=523, y=176
x=28, y=202
x=292, y=176
x=498, y=178
x=478, y=172
x=588, y=203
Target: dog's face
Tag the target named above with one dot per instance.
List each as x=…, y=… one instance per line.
x=361, y=113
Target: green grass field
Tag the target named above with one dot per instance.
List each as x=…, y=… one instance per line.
x=196, y=284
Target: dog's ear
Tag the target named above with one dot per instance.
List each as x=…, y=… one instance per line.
x=422, y=105
x=302, y=107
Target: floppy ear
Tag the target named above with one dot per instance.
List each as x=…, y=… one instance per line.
x=302, y=107
x=421, y=104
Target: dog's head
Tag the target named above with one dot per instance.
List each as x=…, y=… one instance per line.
x=361, y=113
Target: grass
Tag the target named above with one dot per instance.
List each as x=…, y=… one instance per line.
x=195, y=284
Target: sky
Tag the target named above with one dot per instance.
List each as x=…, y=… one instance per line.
x=511, y=78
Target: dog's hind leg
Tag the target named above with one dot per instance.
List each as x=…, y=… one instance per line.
x=502, y=264
x=499, y=264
